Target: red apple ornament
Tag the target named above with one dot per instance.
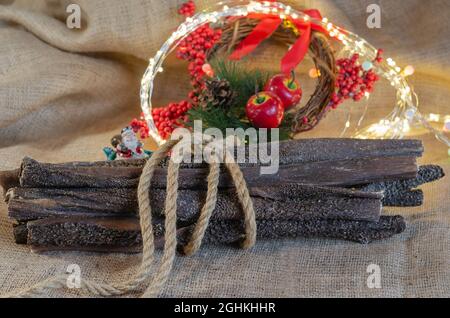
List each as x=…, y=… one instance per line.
x=287, y=88
x=265, y=110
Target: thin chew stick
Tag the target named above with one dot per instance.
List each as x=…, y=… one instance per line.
x=123, y=235
x=291, y=202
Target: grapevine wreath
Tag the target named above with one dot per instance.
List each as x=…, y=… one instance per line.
x=224, y=94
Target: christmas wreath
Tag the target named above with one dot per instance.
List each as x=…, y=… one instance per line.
x=225, y=94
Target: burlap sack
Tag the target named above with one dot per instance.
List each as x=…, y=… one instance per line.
x=64, y=93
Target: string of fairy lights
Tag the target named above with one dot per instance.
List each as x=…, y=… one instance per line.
x=396, y=125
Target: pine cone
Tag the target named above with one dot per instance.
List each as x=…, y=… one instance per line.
x=218, y=93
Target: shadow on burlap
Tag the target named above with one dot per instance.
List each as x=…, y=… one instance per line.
x=64, y=93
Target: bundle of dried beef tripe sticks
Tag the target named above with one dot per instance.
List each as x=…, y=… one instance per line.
x=331, y=188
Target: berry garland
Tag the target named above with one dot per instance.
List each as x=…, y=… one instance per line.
x=194, y=50
x=168, y=118
x=354, y=80
x=140, y=127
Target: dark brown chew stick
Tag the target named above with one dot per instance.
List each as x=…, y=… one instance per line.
x=355, y=231
x=325, y=173
x=361, y=157
x=307, y=150
x=123, y=235
x=291, y=202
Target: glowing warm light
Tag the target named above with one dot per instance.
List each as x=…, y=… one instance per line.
x=208, y=70
x=314, y=73
x=408, y=71
x=434, y=117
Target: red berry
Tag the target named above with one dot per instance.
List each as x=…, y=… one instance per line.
x=187, y=9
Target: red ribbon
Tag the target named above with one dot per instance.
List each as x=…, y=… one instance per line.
x=268, y=25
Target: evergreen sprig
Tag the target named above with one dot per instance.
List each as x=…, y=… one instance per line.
x=245, y=83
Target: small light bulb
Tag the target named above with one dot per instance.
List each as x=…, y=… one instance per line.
x=408, y=71
x=434, y=117
x=367, y=65
x=410, y=113
x=447, y=126
x=314, y=73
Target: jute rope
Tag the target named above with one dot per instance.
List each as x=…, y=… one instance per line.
x=153, y=283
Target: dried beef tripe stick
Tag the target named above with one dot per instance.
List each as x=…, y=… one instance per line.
x=325, y=173
x=123, y=235
x=290, y=202
x=330, y=162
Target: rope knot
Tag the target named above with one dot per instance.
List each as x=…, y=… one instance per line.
x=215, y=151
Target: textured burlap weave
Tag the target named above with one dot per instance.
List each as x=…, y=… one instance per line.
x=64, y=93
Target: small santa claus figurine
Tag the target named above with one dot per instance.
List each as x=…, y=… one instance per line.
x=126, y=146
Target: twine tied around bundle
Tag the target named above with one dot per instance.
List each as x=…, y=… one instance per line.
x=145, y=278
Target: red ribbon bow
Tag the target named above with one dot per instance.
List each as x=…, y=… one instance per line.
x=268, y=25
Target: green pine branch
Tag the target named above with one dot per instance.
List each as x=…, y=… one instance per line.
x=245, y=83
